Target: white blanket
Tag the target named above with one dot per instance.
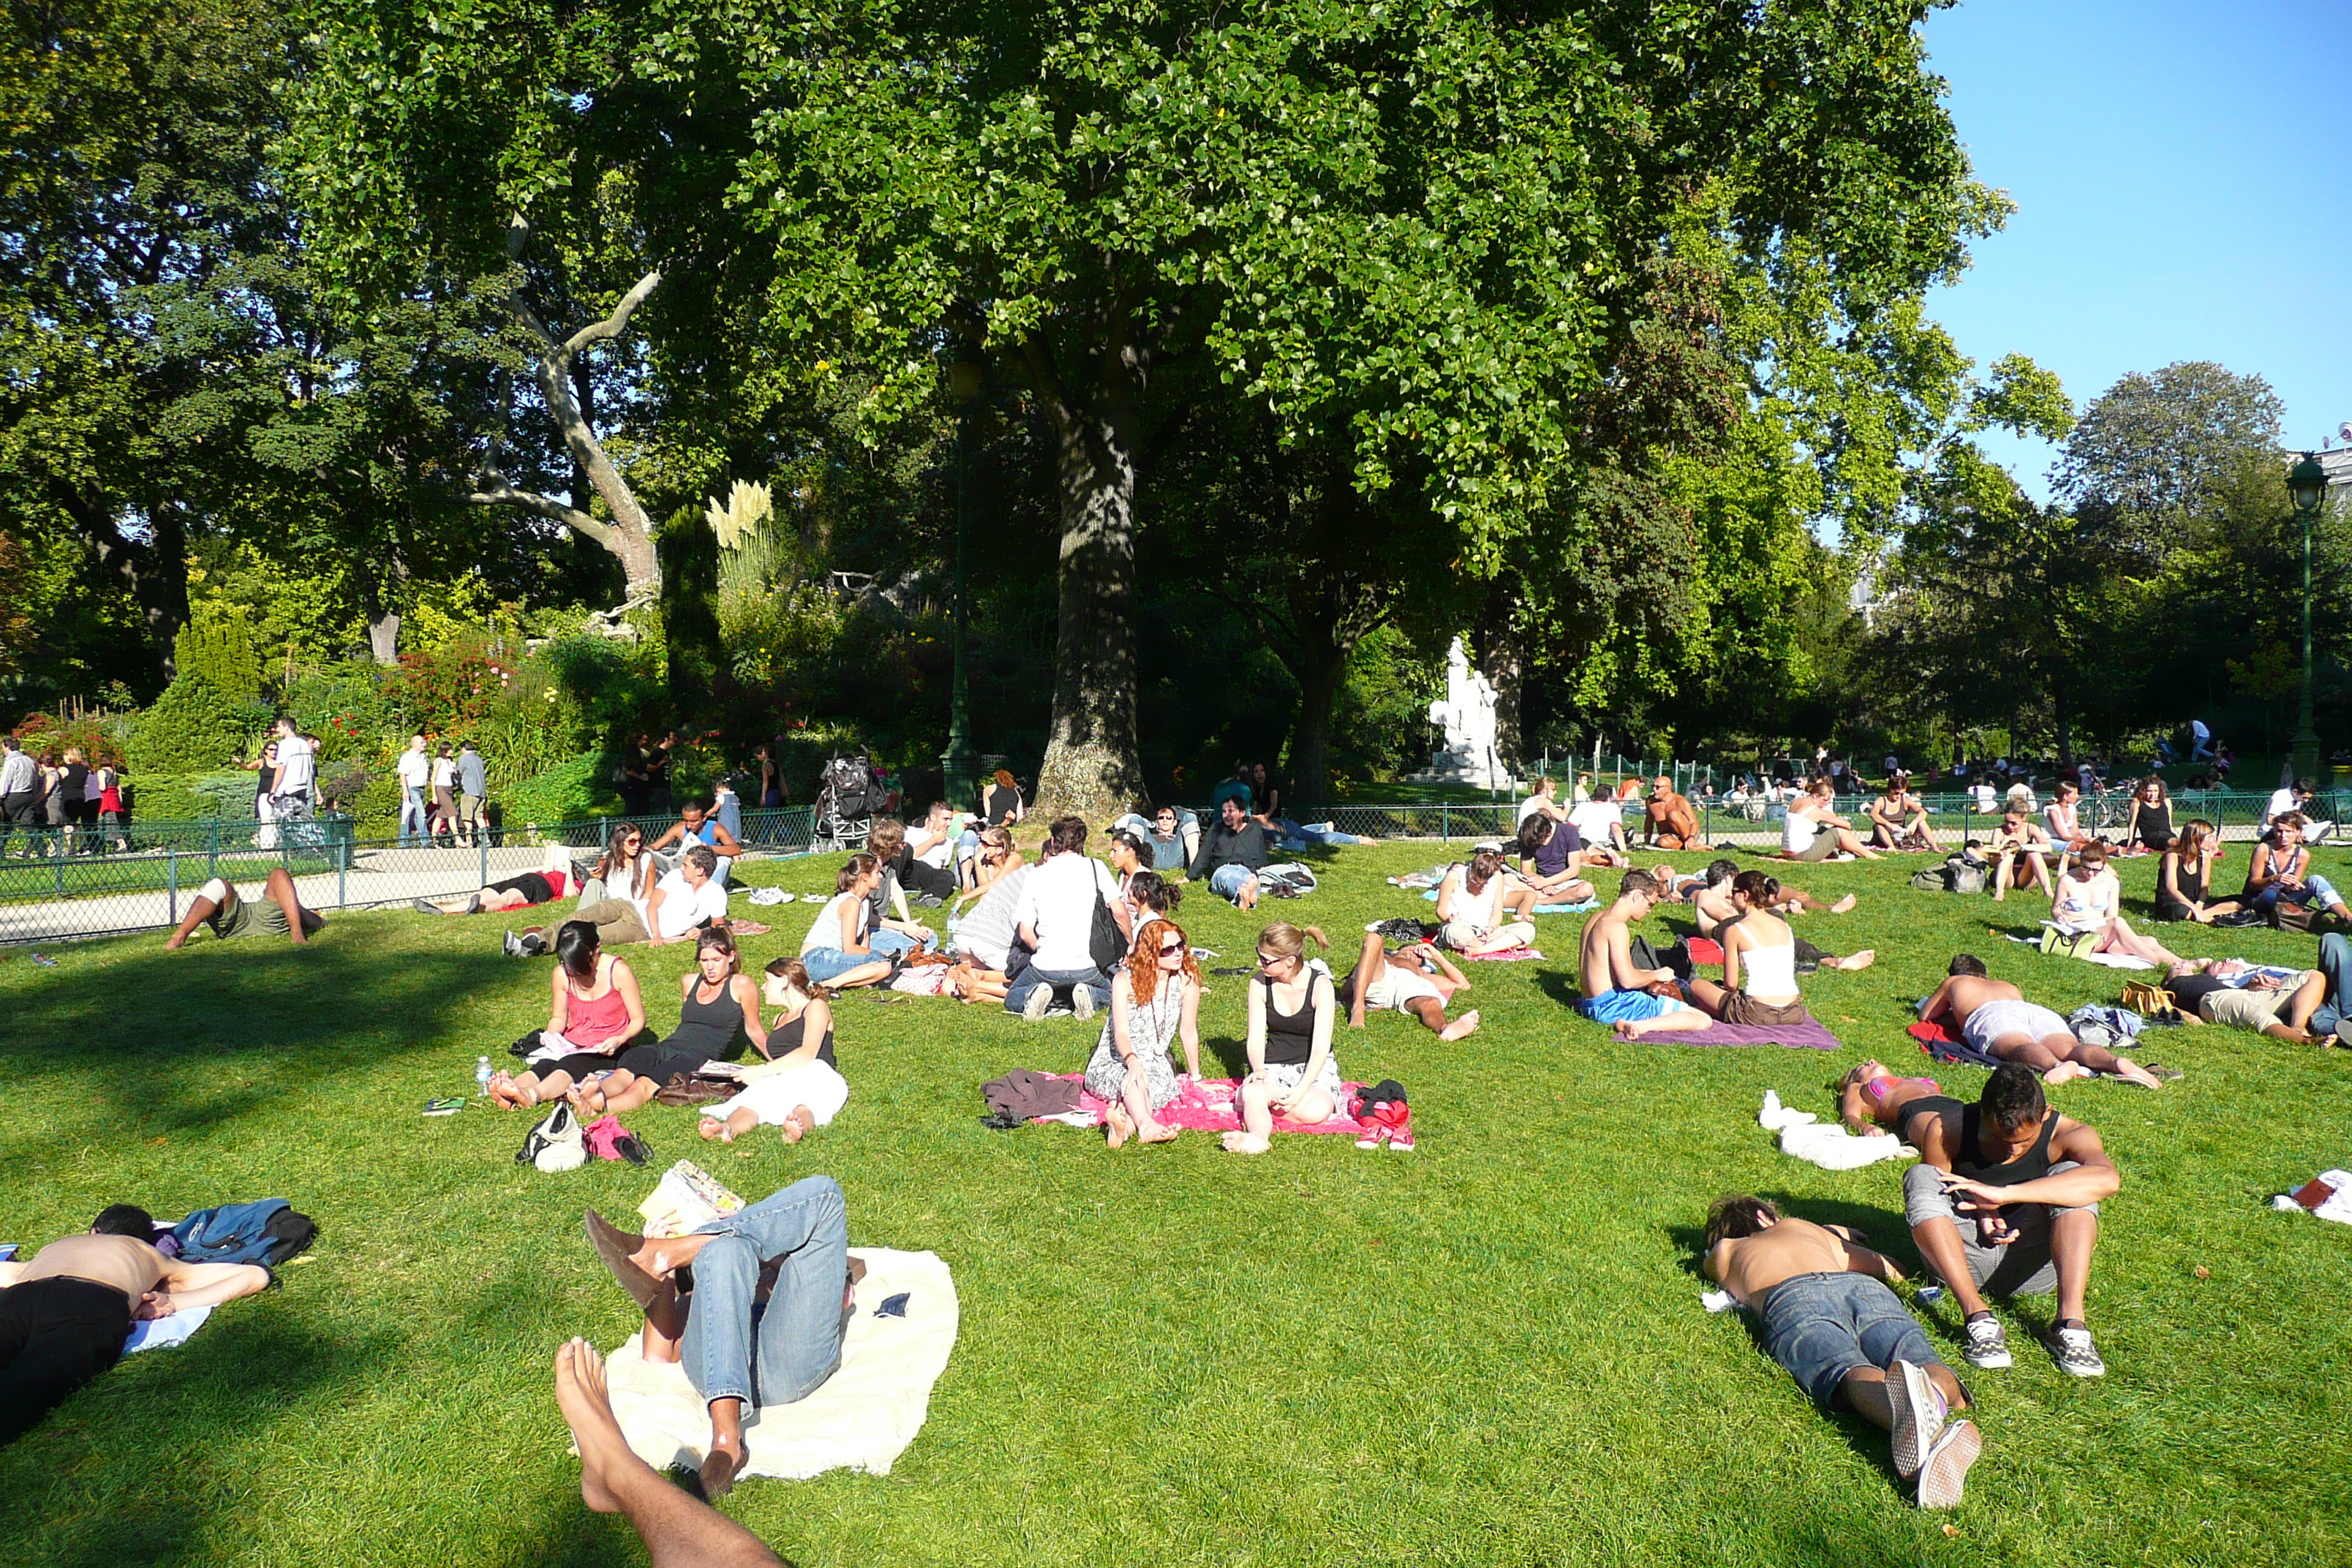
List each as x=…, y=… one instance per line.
x=1804, y=1136
x=861, y=1419
x=162, y=1333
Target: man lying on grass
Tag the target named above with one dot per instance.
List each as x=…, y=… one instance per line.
x=2005, y=1199
x=277, y=913
x=1995, y=1017
x=1828, y=1319
x=65, y=1312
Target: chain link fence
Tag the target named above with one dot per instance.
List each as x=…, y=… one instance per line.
x=57, y=883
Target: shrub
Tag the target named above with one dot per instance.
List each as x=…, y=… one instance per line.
x=91, y=734
x=572, y=791
x=448, y=691
x=344, y=704
x=216, y=647
x=194, y=726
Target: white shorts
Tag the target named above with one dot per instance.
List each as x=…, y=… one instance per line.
x=773, y=1098
x=1994, y=1019
x=1398, y=988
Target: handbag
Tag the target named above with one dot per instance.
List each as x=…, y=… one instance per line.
x=555, y=1145
x=1105, y=945
x=2067, y=944
x=2292, y=917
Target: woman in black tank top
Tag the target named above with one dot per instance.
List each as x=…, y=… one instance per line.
x=1292, y=1011
x=718, y=1010
x=2184, y=878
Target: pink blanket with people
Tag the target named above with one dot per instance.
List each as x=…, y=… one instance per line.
x=1209, y=1105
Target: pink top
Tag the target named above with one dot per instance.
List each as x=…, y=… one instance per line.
x=591, y=1022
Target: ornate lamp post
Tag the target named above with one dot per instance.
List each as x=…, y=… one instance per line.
x=2308, y=483
x=964, y=379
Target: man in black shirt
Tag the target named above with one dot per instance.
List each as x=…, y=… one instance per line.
x=1233, y=851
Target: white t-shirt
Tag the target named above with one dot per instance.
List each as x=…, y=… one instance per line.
x=825, y=932
x=445, y=772
x=1594, y=818
x=683, y=907
x=2281, y=802
x=295, y=767
x=1985, y=798
x=1058, y=903
x=935, y=857
x=1798, y=831
x=986, y=933
x=416, y=770
x=1532, y=805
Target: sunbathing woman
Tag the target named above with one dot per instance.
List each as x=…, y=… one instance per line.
x=799, y=1088
x=1292, y=1006
x=2088, y=900
x=938, y=974
x=518, y=892
x=719, y=1009
x=1760, y=969
x=1715, y=908
x=595, y=1012
x=1873, y=1101
x=1475, y=901
x=1416, y=979
x=1155, y=995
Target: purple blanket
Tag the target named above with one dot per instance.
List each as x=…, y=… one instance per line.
x=1811, y=1033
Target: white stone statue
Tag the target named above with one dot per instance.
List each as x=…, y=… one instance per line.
x=1466, y=714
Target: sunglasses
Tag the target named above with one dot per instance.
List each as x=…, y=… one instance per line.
x=1268, y=960
x=1169, y=948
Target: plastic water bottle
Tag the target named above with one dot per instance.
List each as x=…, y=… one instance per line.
x=481, y=1075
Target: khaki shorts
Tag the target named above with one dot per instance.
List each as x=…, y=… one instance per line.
x=2246, y=1009
x=1741, y=1008
x=1823, y=846
x=469, y=810
x=236, y=917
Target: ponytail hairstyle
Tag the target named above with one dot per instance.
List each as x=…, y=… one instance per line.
x=1286, y=941
x=719, y=937
x=858, y=865
x=1759, y=888
x=576, y=946
x=1481, y=870
x=1155, y=892
x=793, y=973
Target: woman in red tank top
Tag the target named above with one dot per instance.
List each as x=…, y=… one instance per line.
x=595, y=1010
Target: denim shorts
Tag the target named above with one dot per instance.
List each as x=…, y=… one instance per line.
x=1822, y=1326
x=1227, y=881
x=827, y=964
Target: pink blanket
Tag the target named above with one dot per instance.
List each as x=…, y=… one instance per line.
x=1811, y=1033
x=1500, y=956
x=1208, y=1105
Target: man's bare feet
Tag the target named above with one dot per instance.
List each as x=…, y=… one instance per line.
x=1845, y=904
x=2132, y=1072
x=2065, y=1072
x=799, y=1124
x=711, y=1126
x=1245, y=1143
x=1120, y=1125
x=1862, y=960
x=587, y=1407
x=1466, y=1024
x=175, y=943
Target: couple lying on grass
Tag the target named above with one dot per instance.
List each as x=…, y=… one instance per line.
x=588, y=1054
x=2004, y=1202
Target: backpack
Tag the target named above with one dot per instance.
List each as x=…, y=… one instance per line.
x=1959, y=873
x=1105, y=945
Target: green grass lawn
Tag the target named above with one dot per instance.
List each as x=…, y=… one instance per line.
x=1488, y=1351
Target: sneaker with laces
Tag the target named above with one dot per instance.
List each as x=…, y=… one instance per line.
x=2073, y=1351
x=1400, y=1136
x=1987, y=1345
x=1082, y=1002
x=513, y=944
x=1033, y=1006
x=1374, y=1134
x=1944, y=1475
x=1920, y=1412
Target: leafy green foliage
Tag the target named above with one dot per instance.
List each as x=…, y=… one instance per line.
x=572, y=791
x=194, y=726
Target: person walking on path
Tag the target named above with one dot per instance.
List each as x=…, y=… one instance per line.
x=473, y=791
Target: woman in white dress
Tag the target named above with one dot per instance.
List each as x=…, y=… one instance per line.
x=1155, y=995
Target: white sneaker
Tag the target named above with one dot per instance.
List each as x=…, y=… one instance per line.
x=1920, y=1412
x=1082, y=1002
x=1033, y=1009
x=1944, y=1476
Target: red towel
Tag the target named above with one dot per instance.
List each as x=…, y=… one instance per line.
x=1930, y=1035
x=1704, y=950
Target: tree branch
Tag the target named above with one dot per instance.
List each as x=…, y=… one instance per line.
x=500, y=493
x=614, y=325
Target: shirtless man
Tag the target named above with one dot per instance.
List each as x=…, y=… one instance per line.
x=1995, y=1017
x=2005, y=1199
x=278, y=911
x=1619, y=990
x=1820, y=1300
x=2019, y=844
x=65, y=1312
x=1399, y=980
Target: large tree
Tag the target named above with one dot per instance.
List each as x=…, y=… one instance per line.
x=2156, y=448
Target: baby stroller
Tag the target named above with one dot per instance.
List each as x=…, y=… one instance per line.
x=845, y=802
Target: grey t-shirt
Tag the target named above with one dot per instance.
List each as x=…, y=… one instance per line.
x=469, y=774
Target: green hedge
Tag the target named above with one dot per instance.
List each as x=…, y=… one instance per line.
x=569, y=791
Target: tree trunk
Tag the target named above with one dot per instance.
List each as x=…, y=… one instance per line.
x=1311, y=747
x=1503, y=662
x=1093, y=767
x=153, y=571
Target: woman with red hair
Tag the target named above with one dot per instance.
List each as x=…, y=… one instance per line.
x=1155, y=994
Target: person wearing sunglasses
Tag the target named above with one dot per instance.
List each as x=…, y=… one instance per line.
x=1292, y=1008
x=1155, y=995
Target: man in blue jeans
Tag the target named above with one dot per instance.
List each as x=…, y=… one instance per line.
x=735, y=1349
x=1055, y=917
x=1231, y=853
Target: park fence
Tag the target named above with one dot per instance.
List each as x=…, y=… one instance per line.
x=60, y=883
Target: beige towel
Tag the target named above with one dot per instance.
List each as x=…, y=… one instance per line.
x=861, y=1419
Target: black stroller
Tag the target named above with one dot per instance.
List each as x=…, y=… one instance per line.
x=845, y=804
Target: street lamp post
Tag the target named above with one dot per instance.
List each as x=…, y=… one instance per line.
x=2306, y=482
x=964, y=379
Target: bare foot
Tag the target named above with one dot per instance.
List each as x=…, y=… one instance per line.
x=1120, y=1125
x=175, y=944
x=1160, y=1133
x=503, y=1091
x=1862, y=960
x=799, y=1124
x=587, y=1409
x=2132, y=1072
x=1245, y=1143
x=1845, y=904
x=711, y=1126
x=2065, y=1072
x=1466, y=1024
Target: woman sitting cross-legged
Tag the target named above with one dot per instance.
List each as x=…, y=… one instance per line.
x=839, y=947
x=1760, y=969
x=1155, y=995
x=1474, y=903
x=2150, y=830
x=1715, y=908
x=2279, y=873
x=799, y=1087
x=2184, y=878
x=718, y=1010
x=1292, y=1007
x=2088, y=898
x=595, y=1013
x=1416, y=979
x=1898, y=819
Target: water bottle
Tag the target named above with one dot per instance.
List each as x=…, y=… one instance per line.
x=481, y=1075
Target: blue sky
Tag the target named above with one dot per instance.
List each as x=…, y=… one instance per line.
x=2183, y=180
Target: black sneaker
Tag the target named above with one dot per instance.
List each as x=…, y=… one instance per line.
x=421, y=908
x=2073, y=1351
x=513, y=948
x=1988, y=1344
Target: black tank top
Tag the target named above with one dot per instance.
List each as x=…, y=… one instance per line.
x=1940, y=1104
x=2030, y=1166
x=1290, y=1037
x=787, y=1038
x=714, y=1028
x=2191, y=888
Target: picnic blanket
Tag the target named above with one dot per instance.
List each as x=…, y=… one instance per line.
x=862, y=1418
x=1568, y=908
x=1207, y=1105
x=1940, y=1043
x=1501, y=955
x=1812, y=1035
